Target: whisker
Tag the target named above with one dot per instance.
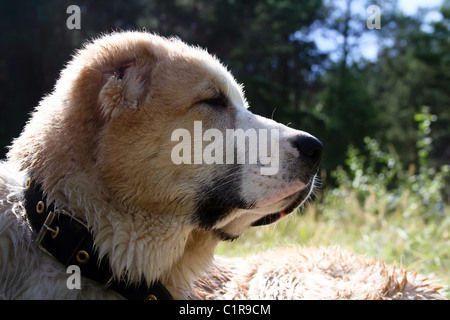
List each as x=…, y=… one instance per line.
x=273, y=112
x=157, y=217
x=223, y=183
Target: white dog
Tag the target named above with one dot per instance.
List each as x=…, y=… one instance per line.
x=128, y=174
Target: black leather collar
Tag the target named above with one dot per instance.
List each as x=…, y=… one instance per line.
x=69, y=241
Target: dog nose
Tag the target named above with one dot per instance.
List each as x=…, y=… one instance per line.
x=310, y=147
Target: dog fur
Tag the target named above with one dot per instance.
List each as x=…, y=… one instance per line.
x=311, y=273
x=100, y=144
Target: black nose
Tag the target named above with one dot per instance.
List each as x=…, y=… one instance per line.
x=310, y=147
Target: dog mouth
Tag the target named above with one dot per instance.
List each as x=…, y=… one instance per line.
x=269, y=212
x=295, y=201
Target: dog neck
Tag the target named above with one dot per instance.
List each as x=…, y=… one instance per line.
x=139, y=247
x=141, y=244
x=69, y=240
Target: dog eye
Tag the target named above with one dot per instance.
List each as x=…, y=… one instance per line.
x=216, y=102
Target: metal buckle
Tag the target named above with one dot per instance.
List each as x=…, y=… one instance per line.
x=48, y=227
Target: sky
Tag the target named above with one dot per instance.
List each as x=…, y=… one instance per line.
x=368, y=43
x=410, y=7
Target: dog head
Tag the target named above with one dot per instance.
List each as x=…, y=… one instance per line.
x=152, y=143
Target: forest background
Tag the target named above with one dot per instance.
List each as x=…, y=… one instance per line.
x=383, y=118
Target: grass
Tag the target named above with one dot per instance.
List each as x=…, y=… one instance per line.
x=416, y=243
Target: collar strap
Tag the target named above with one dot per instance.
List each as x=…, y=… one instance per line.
x=68, y=240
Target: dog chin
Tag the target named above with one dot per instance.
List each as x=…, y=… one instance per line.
x=289, y=204
x=275, y=212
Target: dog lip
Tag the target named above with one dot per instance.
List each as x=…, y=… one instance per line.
x=268, y=219
x=300, y=196
x=282, y=195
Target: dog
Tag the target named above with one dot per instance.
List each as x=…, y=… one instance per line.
x=129, y=173
x=99, y=149
x=311, y=273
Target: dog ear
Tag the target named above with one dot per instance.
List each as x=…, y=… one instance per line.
x=123, y=88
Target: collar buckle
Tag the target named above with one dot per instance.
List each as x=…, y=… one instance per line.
x=69, y=240
x=51, y=228
x=46, y=227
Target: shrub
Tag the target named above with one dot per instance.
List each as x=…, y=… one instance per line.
x=380, y=175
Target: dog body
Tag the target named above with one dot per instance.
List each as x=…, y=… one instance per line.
x=139, y=140
x=311, y=273
x=25, y=271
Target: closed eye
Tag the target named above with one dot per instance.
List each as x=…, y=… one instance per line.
x=217, y=102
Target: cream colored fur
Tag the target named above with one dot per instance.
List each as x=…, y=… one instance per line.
x=311, y=273
x=100, y=145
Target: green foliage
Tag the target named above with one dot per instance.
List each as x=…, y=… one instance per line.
x=380, y=174
x=348, y=113
x=412, y=71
